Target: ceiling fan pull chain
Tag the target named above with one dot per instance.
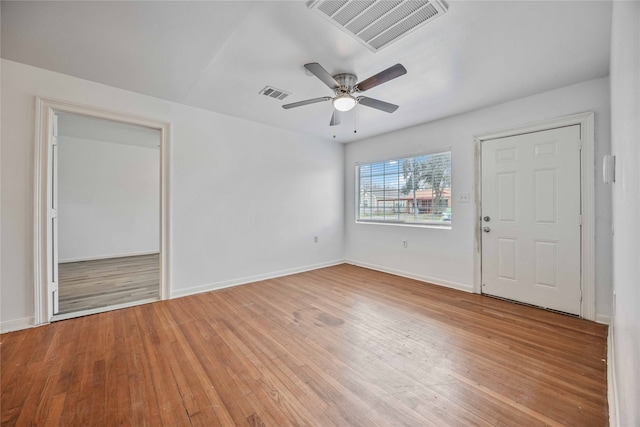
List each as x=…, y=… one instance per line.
x=355, y=120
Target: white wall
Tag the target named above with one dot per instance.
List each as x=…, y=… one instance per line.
x=625, y=145
x=238, y=215
x=108, y=199
x=246, y=199
x=446, y=256
x=1, y=259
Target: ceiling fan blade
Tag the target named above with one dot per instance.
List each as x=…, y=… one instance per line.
x=318, y=71
x=377, y=104
x=335, y=118
x=382, y=77
x=306, y=102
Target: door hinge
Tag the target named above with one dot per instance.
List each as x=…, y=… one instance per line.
x=579, y=219
x=54, y=140
x=54, y=286
x=53, y=213
x=579, y=145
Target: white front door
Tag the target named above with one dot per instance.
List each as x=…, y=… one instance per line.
x=531, y=218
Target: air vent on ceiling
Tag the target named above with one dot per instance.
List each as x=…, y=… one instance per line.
x=272, y=92
x=377, y=23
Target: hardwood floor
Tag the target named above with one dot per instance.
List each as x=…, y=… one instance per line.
x=100, y=283
x=339, y=346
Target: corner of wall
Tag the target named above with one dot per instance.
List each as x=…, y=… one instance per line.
x=431, y=280
x=612, y=389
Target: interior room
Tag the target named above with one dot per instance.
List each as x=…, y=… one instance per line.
x=418, y=212
x=108, y=201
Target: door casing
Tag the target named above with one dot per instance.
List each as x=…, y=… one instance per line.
x=45, y=110
x=587, y=184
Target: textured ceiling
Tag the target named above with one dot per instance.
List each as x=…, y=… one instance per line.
x=218, y=55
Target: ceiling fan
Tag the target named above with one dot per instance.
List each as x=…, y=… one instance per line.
x=347, y=91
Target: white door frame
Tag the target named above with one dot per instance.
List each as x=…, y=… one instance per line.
x=587, y=190
x=45, y=109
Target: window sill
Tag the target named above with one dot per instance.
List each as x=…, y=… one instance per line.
x=404, y=224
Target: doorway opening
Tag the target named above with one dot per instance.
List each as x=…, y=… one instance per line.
x=101, y=211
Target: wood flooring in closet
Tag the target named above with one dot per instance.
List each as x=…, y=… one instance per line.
x=85, y=285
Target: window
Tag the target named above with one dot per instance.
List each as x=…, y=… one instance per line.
x=410, y=190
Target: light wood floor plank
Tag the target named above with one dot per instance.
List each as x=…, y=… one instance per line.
x=85, y=285
x=337, y=346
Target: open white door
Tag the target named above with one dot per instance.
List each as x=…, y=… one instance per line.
x=531, y=244
x=53, y=215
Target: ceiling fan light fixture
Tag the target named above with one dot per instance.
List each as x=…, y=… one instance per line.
x=344, y=102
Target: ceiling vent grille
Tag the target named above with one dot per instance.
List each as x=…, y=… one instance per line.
x=378, y=23
x=272, y=92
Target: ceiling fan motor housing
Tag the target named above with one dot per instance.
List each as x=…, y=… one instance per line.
x=346, y=81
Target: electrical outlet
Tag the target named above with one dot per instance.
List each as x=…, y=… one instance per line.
x=404, y=244
x=315, y=239
x=464, y=198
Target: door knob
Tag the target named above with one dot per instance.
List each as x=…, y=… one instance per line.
x=486, y=229
x=487, y=219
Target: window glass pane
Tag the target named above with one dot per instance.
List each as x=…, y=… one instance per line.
x=412, y=190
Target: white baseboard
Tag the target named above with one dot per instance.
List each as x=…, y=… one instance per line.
x=603, y=318
x=612, y=389
x=432, y=280
x=95, y=258
x=16, y=325
x=250, y=279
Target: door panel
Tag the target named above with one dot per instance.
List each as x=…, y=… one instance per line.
x=507, y=196
x=54, y=215
x=507, y=257
x=531, y=196
x=546, y=190
x=546, y=264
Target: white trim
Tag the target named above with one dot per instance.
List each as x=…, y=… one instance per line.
x=407, y=224
x=603, y=319
x=477, y=238
x=81, y=313
x=612, y=389
x=587, y=184
x=16, y=325
x=250, y=279
x=99, y=257
x=431, y=280
x=45, y=108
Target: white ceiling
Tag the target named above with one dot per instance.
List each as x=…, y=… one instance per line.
x=218, y=55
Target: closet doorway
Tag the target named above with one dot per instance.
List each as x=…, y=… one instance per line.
x=102, y=223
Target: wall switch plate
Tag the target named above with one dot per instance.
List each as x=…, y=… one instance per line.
x=464, y=198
